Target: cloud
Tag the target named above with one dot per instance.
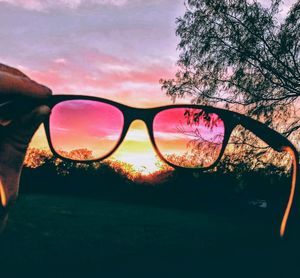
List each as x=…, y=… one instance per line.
x=95, y=73
x=44, y=5
x=60, y=61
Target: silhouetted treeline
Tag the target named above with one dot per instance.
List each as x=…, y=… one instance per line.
x=264, y=189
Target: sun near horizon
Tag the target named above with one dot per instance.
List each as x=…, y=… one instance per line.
x=136, y=149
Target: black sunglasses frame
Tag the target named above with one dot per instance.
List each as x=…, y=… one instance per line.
x=130, y=114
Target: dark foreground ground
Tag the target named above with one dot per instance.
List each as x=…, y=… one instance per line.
x=61, y=236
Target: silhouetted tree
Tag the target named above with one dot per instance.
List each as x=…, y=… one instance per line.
x=240, y=54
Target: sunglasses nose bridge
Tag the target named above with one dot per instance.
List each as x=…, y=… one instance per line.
x=142, y=114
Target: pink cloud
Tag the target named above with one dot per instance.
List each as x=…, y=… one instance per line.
x=60, y=61
x=95, y=73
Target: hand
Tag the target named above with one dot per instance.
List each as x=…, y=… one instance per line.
x=17, y=130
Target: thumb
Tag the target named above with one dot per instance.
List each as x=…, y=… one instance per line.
x=13, y=151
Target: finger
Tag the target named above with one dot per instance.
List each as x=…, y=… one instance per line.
x=13, y=108
x=12, y=71
x=11, y=86
x=22, y=130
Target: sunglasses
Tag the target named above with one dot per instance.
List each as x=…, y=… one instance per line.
x=185, y=136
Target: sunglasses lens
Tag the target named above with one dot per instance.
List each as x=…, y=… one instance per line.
x=189, y=137
x=85, y=129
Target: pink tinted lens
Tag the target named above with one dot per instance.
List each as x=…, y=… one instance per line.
x=190, y=137
x=85, y=129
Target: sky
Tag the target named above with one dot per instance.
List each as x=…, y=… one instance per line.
x=116, y=49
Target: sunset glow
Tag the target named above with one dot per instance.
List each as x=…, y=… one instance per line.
x=136, y=149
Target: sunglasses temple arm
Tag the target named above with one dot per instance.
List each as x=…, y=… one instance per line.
x=281, y=144
x=293, y=189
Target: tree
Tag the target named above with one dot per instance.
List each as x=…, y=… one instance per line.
x=241, y=55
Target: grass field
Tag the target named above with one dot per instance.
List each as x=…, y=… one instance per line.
x=60, y=236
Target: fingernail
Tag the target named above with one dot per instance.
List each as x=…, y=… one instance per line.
x=4, y=122
x=48, y=91
x=43, y=111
